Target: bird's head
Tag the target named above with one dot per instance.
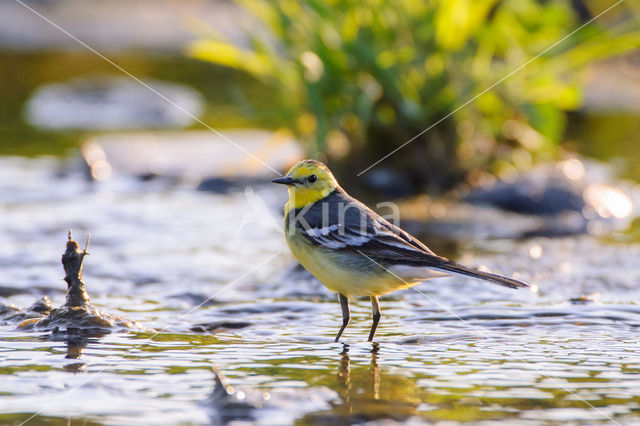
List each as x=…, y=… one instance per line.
x=308, y=181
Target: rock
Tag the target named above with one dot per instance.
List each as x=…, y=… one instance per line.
x=216, y=185
x=41, y=306
x=72, y=260
x=7, y=291
x=110, y=25
x=229, y=405
x=220, y=185
x=112, y=103
x=204, y=159
x=86, y=319
x=10, y=314
x=570, y=197
x=585, y=298
x=195, y=299
x=77, y=316
x=219, y=326
x=537, y=195
x=388, y=182
x=226, y=405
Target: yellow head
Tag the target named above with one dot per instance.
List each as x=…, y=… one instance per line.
x=308, y=181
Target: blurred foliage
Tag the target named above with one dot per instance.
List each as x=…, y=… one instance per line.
x=357, y=79
x=611, y=137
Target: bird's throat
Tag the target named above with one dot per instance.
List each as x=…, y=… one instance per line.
x=300, y=197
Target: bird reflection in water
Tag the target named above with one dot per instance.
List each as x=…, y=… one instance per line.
x=369, y=392
x=372, y=389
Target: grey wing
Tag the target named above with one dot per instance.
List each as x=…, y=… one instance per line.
x=360, y=229
x=403, y=235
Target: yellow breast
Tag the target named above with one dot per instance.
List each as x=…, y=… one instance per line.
x=344, y=272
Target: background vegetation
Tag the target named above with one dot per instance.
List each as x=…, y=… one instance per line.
x=354, y=80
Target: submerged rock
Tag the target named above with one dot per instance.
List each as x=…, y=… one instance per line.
x=72, y=260
x=388, y=182
x=571, y=197
x=218, y=326
x=211, y=161
x=529, y=195
x=221, y=185
x=585, y=298
x=113, y=103
x=77, y=315
x=11, y=314
x=572, y=185
x=227, y=404
x=79, y=319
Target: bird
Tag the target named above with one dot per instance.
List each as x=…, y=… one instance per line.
x=354, y=251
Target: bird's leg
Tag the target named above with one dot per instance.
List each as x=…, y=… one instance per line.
x=375, y=305
x=346, y=315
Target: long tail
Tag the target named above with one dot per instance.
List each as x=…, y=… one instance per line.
x=456, y=268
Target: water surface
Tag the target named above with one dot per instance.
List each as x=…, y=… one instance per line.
x=216, y=289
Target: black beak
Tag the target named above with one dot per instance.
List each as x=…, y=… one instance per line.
x=285, y=180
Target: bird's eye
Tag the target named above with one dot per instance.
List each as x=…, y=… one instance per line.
x=312, y=178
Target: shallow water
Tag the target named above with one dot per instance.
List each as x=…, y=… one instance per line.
x=215, y=288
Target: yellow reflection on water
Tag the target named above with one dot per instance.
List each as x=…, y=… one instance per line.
x=369, y=392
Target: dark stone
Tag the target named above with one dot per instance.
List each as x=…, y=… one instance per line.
x=388, y=182
x=528, y=196
x=220, y=185
x=197, y=299
x=146, y=280
x=218, y=325
x=41, y=306
x=216, y=185
x=72, y=262
x=6, y=291
x=77, y=316
x=111, y=103
x=223, y=404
